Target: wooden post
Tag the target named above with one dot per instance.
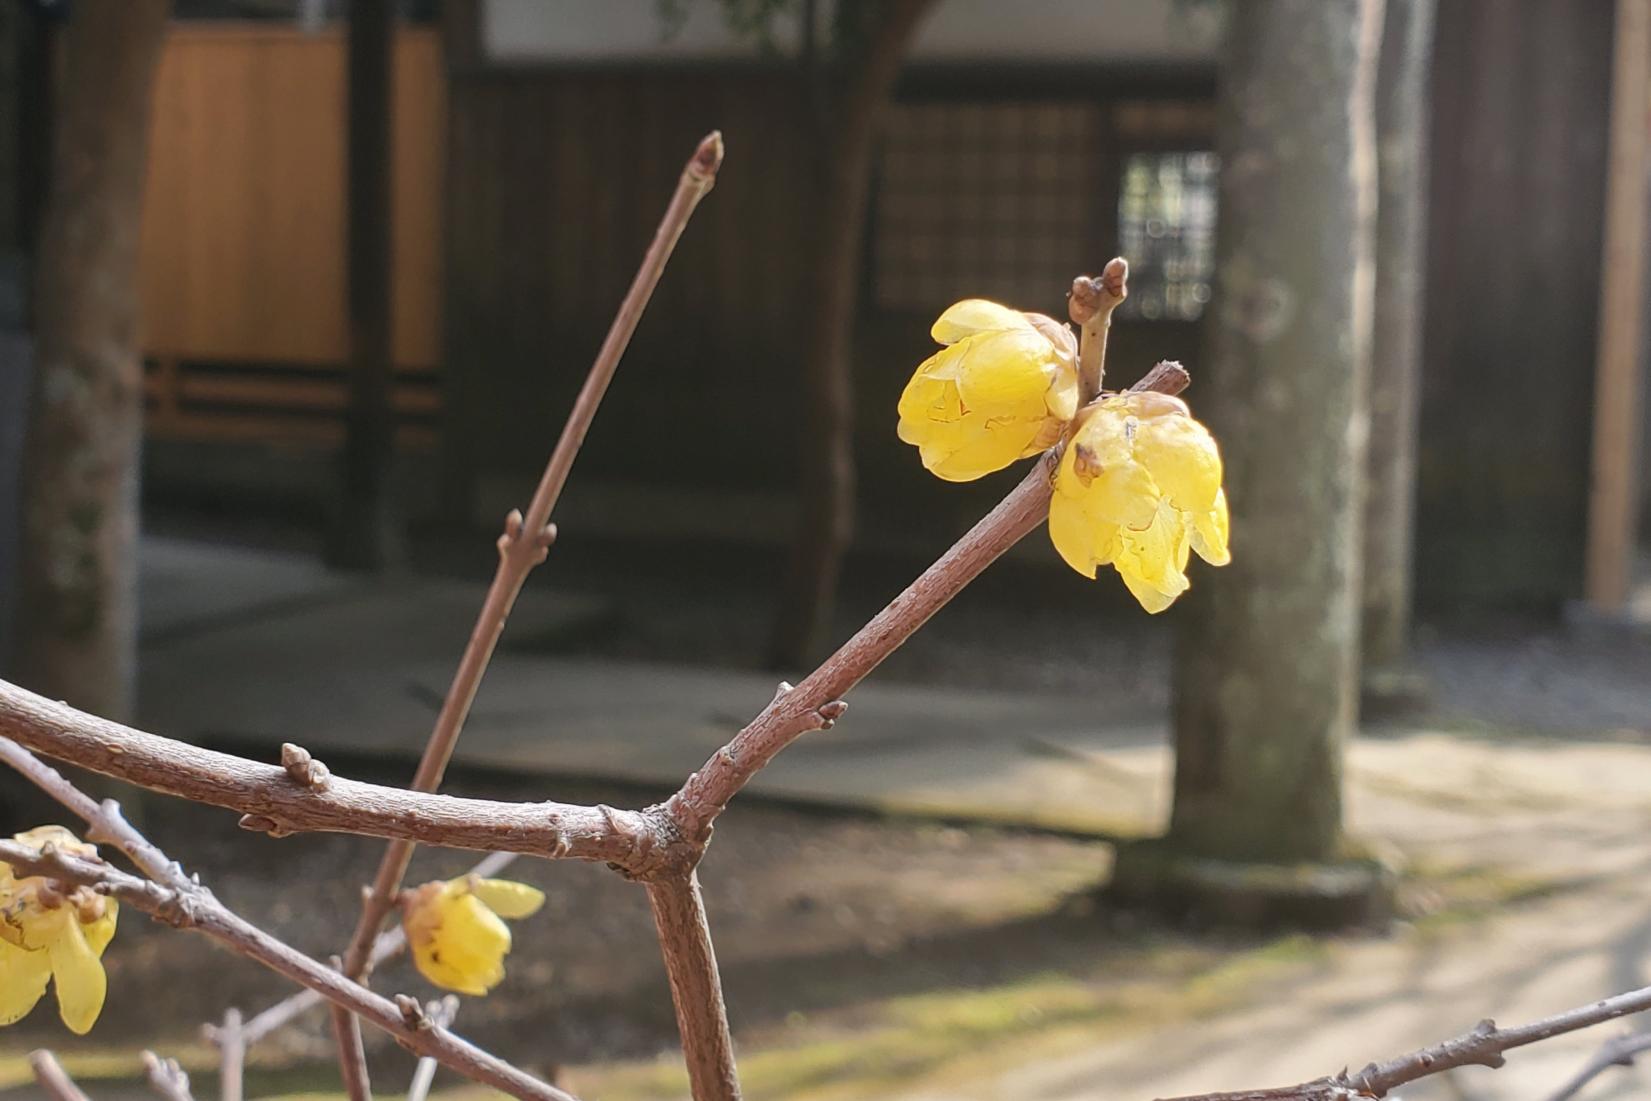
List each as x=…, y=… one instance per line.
x=1613, y=502
x=366, y=535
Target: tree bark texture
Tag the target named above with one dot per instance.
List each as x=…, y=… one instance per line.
x=1265, y=687
x=1396, y=345
x=846, y=129
x=77, y=638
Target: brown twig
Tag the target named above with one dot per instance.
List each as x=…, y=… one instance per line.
x=696, y=987
x=166, y=1077
x=271, y=801
x=1618, y=1051
x=1090, y=306
x=522, y=546
x=53, y=1078
x=194, y=907
x=1484, y=1046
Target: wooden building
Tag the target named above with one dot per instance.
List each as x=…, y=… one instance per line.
x=533, y=160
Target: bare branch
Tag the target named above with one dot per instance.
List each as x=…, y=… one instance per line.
x=1618, y=1051
x=1481, y=1047
x=166, y=1077
x=522, y=546
x=1090, y=305
x=274, y=803
x=696, y=987
x=53, y=1078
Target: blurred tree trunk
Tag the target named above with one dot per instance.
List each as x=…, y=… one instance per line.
x=1265, y=681
x=1396, y=348
x=80, y=508
x=846, y=111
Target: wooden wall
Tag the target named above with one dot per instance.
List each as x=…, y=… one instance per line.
x=1521, y=89
x=242, y=266
x=557, y=182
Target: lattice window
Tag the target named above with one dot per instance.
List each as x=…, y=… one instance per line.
x=1166, y=226
x=991, y=200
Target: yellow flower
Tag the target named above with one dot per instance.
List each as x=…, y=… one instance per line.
x=1138, y=487
x=454, y=931
x=47, y=934
x=1003, y=388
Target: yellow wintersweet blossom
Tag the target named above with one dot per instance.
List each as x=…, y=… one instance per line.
x=455, y=933
x=47, y=934
x=1138, y=487
x=1003, y=388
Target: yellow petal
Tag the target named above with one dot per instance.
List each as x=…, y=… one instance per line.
x=1183, y=459
x=975, y=315
x=999, y=371
x=457, y=942
x=977, y=450
x=23, y=978
x=507, y=898
x=1210, y=531
x=1153, y=599
x=100, y=932
x=81, y=983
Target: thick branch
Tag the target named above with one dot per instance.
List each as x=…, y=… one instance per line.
x=196, y=908
x=1481, y=1047
x=817, y=701
x=696, y=987
x=231, y=1040
x=277, y=804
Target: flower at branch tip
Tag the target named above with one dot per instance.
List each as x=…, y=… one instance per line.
x=52, y=931
x=1138, y=488
x=1003, y=388
x=455, y=932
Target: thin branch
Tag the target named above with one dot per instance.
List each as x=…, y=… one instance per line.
x=166, y=1077
x=230, y=1038
x=522, y=546
x=53, y=1078
x=390, y=944
x=1090, y=306
x=696, y=987
x=197, y=909
x=442, y=1012
x=817, y=702
x=1618, y=1051
x=274, y=803
x=1481, y=1047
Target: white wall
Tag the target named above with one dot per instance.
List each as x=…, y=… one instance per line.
x=957, y=30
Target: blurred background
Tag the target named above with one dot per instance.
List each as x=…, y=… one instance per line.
x=295, y=295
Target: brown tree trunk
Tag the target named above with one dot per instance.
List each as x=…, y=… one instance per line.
x=1396, y=349
x=79, y=553
x=846, y=140
x=1265, y=686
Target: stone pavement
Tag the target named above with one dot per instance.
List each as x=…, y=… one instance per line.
x=250, y=649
